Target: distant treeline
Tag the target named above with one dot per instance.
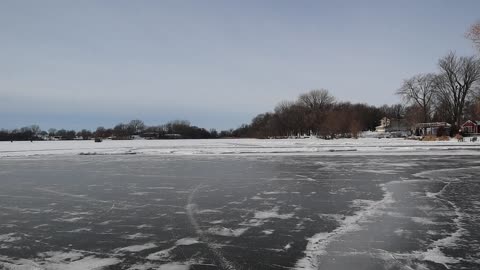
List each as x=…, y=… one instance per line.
x=179, y=129
x=317, y=113
x=314, y=113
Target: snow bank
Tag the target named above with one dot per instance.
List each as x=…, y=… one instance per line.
x=362, y=146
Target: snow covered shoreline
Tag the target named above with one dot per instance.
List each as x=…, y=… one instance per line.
x=363, y=146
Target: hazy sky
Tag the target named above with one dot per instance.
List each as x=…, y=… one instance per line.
x=78, y=64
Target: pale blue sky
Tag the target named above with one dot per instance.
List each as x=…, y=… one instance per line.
x=78, y=64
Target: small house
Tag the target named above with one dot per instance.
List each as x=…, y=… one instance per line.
x=396, y=127
x=150, y=135
x=433, y=128
x=471, y=127
x=172, y=136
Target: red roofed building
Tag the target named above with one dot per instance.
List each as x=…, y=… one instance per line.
x=471, y=127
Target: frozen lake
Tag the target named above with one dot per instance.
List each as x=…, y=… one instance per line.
x=233, y=211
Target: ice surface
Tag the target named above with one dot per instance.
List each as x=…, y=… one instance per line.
x=254, y=212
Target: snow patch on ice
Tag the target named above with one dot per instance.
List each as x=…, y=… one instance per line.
x=187, y=241
x=9, y=238
x=139, y=193
x=424, y=220
x=168, y=188
x=437, y=256
x=136, y=236
x=56, y=260
x=318, y=243
x=434, y=253
x=69, y=220
x=164, y=254
x=143, y=226
x=87, y=263
x=379, y=171
x=268, y=232
x=208, y=211
x=274, y=192
x=219, y=221
x=21, y=264
x=79, y=230
x=222, y=231
x=273, y=213
x=136, y=248
x=145, y=266
x=174, y=266
x=168, y=266
x=336, y=217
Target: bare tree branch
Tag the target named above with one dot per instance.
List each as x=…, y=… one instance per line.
x=456, y=81
x=474, y=34
x=420, y=91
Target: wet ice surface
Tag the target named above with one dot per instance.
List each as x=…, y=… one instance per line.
x=239, y=212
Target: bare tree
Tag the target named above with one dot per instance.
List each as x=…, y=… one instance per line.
x=472, y=109
x=35, y=129
x=414, y=114
x=85, y=134
x=100, y=132
x=136, y=126
x=120, y=131
x=316, y=104
x=420, y=91
x=474, y=34
x=290, y=118
x=316, y=99
x=51, y=132
x=392, y=111
x=456, y=81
